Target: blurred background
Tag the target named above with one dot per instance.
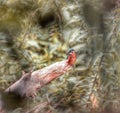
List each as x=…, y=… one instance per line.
x=37, y=33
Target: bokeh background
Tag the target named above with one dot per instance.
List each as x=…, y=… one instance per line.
x=37, y=33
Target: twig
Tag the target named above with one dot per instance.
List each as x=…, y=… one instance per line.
x=59, y=13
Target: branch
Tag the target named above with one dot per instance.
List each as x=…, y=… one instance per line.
x=30, y=82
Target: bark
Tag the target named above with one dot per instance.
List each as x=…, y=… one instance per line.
x=30, y=82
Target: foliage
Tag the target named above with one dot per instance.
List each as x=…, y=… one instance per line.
x=34, y=34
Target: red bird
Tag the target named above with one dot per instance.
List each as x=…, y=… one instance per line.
x=30, y=82
x=71, y=56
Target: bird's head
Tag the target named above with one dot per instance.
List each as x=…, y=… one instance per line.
x=71, y=56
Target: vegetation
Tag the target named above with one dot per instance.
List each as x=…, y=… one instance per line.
x=37, y=33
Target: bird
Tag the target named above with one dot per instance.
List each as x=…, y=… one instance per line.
x=71, y=56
